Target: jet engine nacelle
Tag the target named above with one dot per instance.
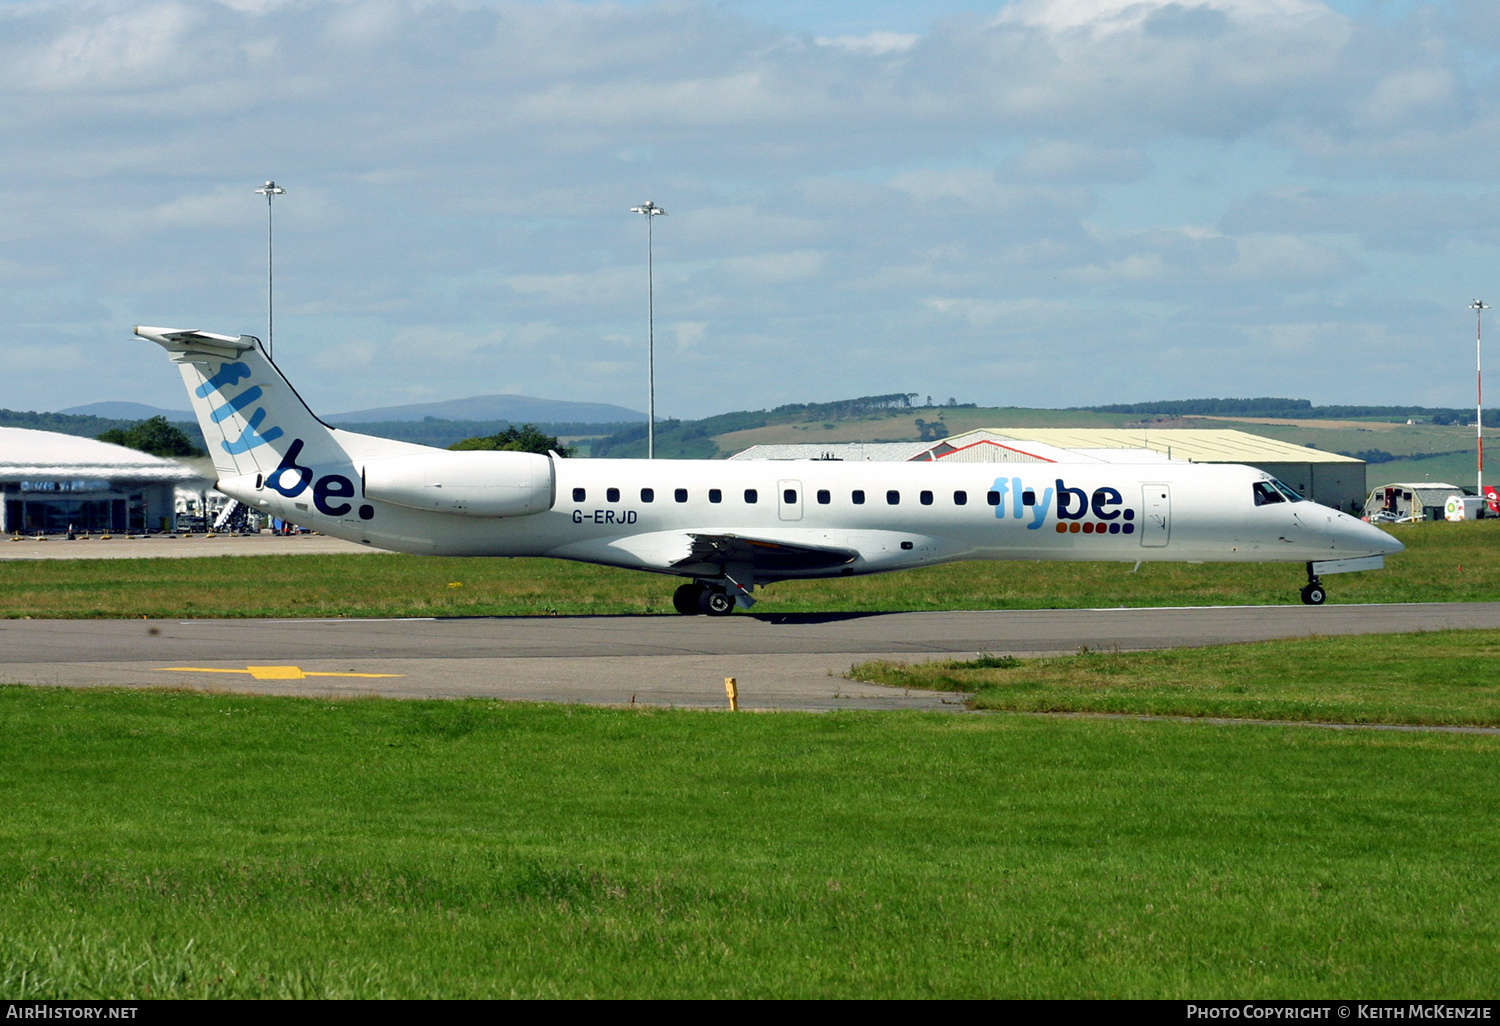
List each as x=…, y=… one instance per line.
x=474, y=483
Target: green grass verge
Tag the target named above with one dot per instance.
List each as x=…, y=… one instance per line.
x=1444, y=677
x=159, y=844
x=1443, y=563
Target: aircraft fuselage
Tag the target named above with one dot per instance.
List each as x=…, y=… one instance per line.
x=734, y=525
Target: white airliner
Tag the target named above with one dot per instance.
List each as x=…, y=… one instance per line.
x=729, y=527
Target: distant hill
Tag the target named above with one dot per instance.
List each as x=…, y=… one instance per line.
x=480, y=409
x=125, y=411
x=512, y=409
x=1294, y=409
x=443, y=433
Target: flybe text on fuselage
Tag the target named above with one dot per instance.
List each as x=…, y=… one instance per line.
x=1110, y=515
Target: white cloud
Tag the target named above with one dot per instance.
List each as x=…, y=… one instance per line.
x=1108, y=17
x=460, y=173
x=776, y=268
x=1286, y=260
x=1070, y=161
x=690, y=334
x=111, y=51
x=1407, y=94
x=878, y=43
x=1023, y=314
x=597, y=288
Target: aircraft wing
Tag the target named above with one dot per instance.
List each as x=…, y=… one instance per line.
x=712, y=553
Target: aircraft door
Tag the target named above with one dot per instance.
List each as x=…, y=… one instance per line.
x=1156, y=519
x=789, y=499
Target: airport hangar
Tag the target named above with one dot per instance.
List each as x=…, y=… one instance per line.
x=54, y=482
x=1324, y=477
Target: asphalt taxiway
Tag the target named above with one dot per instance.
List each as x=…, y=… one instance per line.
x=172, y=546
x=779, y=661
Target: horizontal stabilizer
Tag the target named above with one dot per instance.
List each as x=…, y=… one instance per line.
x=176, y=340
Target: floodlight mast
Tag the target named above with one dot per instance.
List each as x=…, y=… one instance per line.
x=268, y=190
x=650, y=211
x=1479, y=308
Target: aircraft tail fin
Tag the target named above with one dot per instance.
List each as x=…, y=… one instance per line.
x=252, y=418
x=1492, y=499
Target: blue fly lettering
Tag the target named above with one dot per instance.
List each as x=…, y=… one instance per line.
x=229, y=374
x=251, y=436
x=236, y=404
x=1001, y=488
x=1039, y=511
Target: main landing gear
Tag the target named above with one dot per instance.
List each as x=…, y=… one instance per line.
x=1313, y=593
x=698, y=597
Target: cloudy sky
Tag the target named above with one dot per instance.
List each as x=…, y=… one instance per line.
x=1039, y=202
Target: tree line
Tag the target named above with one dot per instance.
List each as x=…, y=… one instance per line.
x=1292, y=409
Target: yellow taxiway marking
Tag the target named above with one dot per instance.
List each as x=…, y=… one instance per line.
x=274, y=672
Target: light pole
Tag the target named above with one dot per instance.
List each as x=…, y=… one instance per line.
x=1479, y=308
x=268, y=190
x=650, y=211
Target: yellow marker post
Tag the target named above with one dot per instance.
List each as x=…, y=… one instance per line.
x=733, y=691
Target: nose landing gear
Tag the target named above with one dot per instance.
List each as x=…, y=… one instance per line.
x=1313, y=593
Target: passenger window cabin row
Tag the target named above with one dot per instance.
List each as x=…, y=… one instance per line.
x=824, y=496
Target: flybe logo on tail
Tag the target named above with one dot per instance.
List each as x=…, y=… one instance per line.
x=1102, y=512
x=291, y=479
x=230, y=374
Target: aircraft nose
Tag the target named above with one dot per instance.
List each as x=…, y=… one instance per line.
x=1369, y=538
x=1352, y=538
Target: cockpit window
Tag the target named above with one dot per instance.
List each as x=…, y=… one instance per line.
x=1265, y=494
x=1272, y=490
x=1291, y=494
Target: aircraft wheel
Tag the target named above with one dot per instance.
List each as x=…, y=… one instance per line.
x=1313, y=595
x=715, y=602
x=686, y=598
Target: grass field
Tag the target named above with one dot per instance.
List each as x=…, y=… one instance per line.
x=1443, y=563
x=1443, y=677
x=159, y=844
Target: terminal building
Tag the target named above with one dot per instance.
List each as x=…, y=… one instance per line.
x=52, y=483
x=1325, y=477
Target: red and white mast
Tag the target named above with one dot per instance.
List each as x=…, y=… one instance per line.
x=1479, y=308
